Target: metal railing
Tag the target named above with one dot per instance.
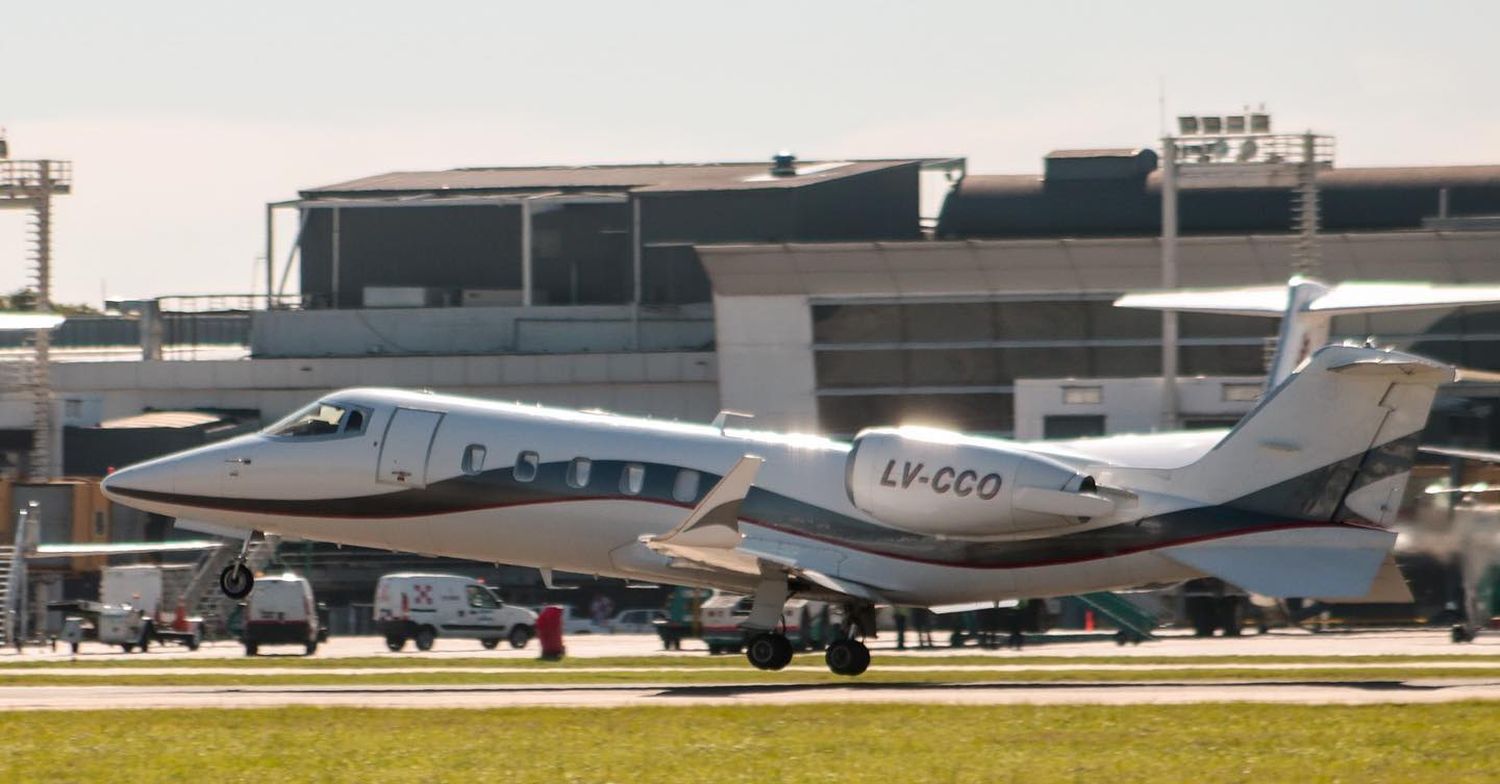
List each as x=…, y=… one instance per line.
x=25, y=178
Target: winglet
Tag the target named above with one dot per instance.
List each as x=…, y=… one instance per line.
x=719, y=508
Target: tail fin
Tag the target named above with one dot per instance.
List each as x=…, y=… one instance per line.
x=1333, y=443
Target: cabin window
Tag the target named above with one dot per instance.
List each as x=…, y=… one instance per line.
x=578, y=472
x=632, y=479
x=473, y=462
x=355, y=423
x=526, y=465
x=685, y=488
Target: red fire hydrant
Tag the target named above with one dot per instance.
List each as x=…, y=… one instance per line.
x=549, y=632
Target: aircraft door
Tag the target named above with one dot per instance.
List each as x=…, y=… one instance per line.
x=404, y=450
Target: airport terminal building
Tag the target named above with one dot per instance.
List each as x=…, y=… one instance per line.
x=820, y=296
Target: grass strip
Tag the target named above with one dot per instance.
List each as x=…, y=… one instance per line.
x=816, y=743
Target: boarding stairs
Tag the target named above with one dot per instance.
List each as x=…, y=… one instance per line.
x=1135, y=622
x=202, y=596
x=9, y=576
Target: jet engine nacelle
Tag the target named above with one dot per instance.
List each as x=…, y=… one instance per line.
x=946, y=484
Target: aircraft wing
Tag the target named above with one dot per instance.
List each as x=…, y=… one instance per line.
x=22, y=321
x=1237, y=301
x=1362, y=297
x=122, y=548
x=713, y=537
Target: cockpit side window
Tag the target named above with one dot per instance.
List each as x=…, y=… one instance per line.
x=321, y=419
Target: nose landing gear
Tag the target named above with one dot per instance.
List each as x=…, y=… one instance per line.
x=237, y=580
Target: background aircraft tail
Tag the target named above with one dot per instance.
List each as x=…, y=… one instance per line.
x=1307, y=308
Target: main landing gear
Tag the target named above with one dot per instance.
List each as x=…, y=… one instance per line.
x=236, y=581
x=847, y=657
x=769, y=651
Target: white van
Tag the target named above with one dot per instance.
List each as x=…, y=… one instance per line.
x=280, y=611
x=423, y=607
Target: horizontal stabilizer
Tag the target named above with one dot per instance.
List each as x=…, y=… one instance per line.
x=1334, y=300
x=25, y=321
x=1240, y=301
x=1331, y=563
x=1345, y=298
x=1465, y=454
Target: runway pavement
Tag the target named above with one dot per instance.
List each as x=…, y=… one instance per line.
x=1403, y=642
x=653, y=684
x=632, y=695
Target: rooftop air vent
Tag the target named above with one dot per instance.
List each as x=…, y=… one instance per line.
x=783, y=164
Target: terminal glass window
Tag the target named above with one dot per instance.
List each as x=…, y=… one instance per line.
x=632, y=479
x=578, y=472
x=685, y=487
x=526, y=466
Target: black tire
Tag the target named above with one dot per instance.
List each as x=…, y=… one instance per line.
x=236, y=581
x=424, y=638
x=312, y=647
x=847, y=657
x=128, y=647
x=75, y=647
x=394, y=643
x=769, y=651
x=519, y=636
x=489, y=643
x=251, y=649
x=714, y=649
x=193, y=642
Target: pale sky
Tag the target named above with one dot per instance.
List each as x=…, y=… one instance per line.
x=184, y=118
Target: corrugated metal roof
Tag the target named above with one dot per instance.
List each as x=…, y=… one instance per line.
x=652, y=178
x=1105, y=152
x=161, y=419
x=1355, y=177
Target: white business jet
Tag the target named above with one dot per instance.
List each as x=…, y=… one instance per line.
x=1295, y=501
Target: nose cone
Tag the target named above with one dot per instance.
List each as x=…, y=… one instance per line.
x=141, y=481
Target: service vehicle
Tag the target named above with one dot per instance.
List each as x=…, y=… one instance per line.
x=424, y=607
x=637, y=621
x=138, y=605
x=281, y=611
x=808, y=625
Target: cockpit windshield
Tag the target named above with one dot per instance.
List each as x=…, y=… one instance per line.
x=320, y=419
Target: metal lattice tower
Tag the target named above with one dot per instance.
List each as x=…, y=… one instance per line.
x=1307, y=257
x=31, y=185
